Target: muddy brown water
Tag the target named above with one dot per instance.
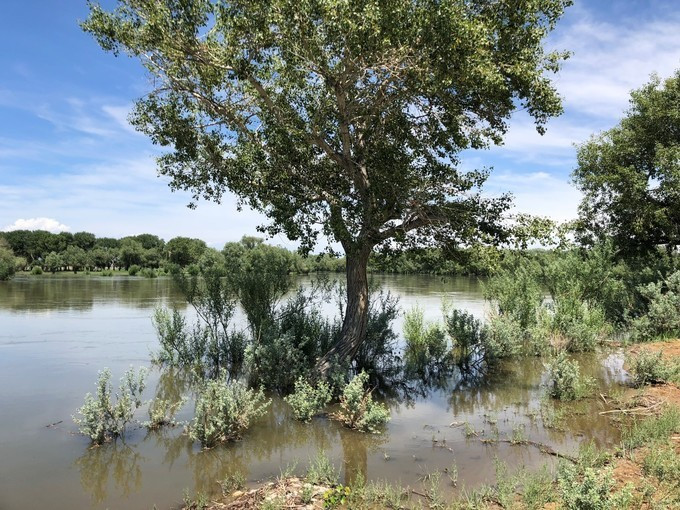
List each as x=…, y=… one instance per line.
x=56, y=333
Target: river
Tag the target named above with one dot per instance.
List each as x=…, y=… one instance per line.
x=57, y=333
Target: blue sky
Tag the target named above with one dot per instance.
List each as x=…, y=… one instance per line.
x=69, y=160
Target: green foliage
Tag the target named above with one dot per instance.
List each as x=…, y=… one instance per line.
x=134, y=269
x=662, y=317
x=102, y=417
x=337, y=496
x=565, y=379
x=467, y=333
x=298, y=336
x=321, y=470
x=162, y=412
x=590, y=489
x=260, y=276
x=53, y=262
x=184, y=250
x=378, y=350
x=7, y=261
x=36, y=270
x=663, y=462
x=358, y=410
x=224, y=411
x=307, y=400
x=652, y=429
x=630, y=174
x=648, y=368
x=425, y=343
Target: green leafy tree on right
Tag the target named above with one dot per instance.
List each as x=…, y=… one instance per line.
x=630, y=174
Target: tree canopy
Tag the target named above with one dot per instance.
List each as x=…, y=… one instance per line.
x=339, y=117
x=630, y=174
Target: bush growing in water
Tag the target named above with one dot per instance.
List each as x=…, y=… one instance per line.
x=467, y=334
x=224, y=410
x=358, y=410
x=133, y=270
x=425, y=343
x=162, y=412
x=566, y=381
x=103, y=418
x=36, y=270
x=308, y=400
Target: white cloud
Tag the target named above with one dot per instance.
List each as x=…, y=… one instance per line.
x=49, y=224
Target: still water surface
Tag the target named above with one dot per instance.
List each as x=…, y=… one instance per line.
x=56, y=334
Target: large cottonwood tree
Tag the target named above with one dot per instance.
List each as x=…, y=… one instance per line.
x=630, y=174
x=340, y=117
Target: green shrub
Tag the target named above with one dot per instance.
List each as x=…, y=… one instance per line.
x=467, y=333
x=162, y=412
x=425, y=343
x=103, y=418
x=295, y=340
x=307, y=400
x=147, y=272
x=106, y=272
x=378, y=350
x=652, y=429
x=7, y=263
x=590, y=489
x=566, y=381
x=662, y=319
x=504, y=337
x=321, y=470
x=36, y=270
x=133, y=269
x=663, y=462
x=224, y=410
x=358, y=410
x=647, y=368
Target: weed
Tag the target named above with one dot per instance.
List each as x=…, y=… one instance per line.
x=321, y=470
x=102, y=418
x=566, y=380
x=307, y=400
x=233, y=482
x=358, y=410
x=224, y=410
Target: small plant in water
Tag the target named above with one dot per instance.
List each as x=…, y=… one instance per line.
x=224, y=410
x=307, y=400
x=321, y=470
x=233, y=482
x=566, y=381
x=358, y=410
x=104, y=418
x=162, y=412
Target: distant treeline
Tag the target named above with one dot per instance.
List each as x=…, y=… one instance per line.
x=40, y=250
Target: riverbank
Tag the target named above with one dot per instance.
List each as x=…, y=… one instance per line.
x=642, y=471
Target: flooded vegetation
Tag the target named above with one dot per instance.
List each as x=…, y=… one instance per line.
x=58, y=333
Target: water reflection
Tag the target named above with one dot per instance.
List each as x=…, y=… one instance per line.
x=115, y=462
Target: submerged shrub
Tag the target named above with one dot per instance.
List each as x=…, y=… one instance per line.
x=566, y=381
x=662, y=319
x=224, y=410
x=425, y=343
x=162, y=412
x=307, y=400
x=358, y=410
x=147, y=272
x=467, y=333
x=295, y=340
x=504, y=337
x=582, y=325
x=378, y=350
x=104, y=418
x=133, y=269
x=36, y=270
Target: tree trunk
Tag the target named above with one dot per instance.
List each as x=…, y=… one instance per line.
x=356, y=311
